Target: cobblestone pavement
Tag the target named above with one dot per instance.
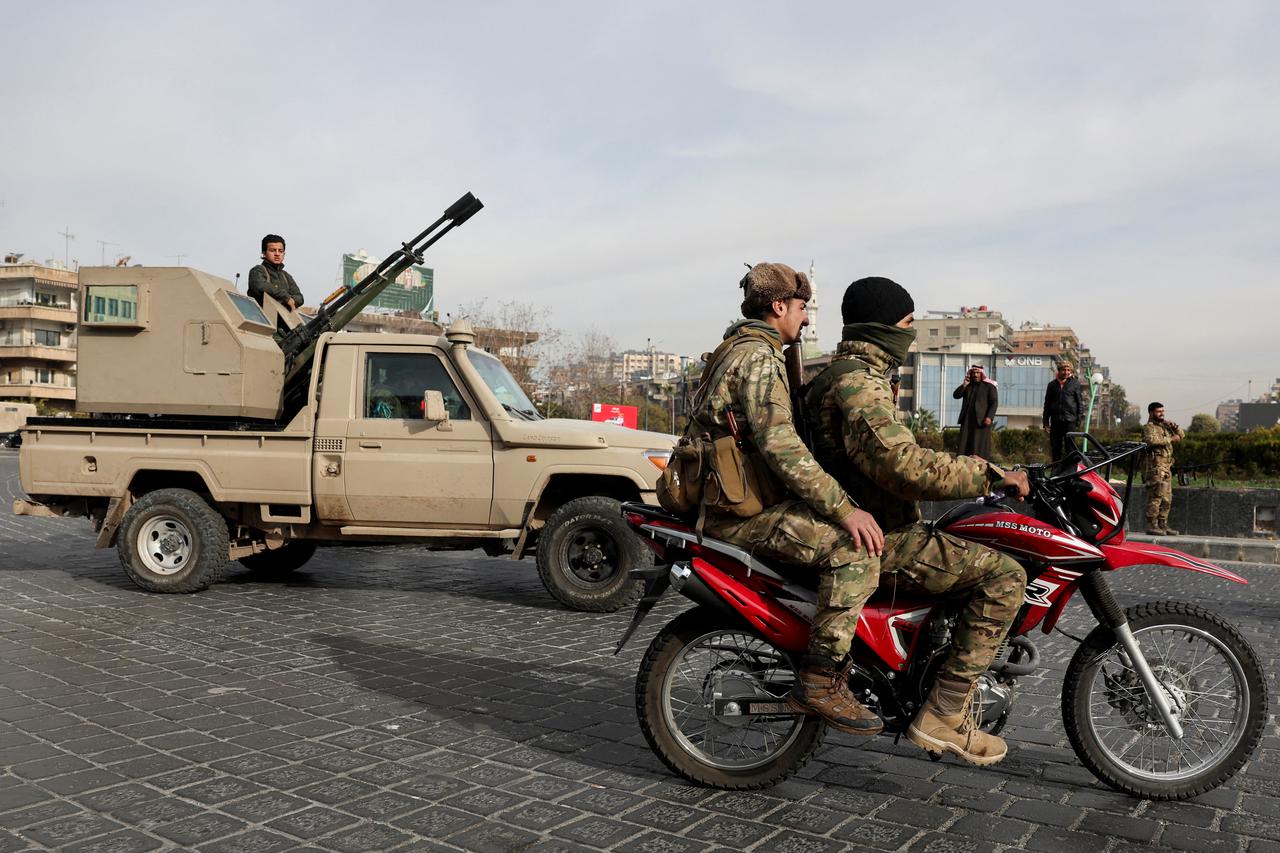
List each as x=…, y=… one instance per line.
x=403, y=699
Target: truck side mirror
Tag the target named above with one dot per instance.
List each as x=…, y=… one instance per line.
x=433, y=406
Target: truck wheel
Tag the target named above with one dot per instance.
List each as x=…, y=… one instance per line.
x=171, y=540
x=280, y=562
x=586, y=553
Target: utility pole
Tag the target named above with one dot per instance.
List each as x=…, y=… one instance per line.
x=67, y=237
x=104, y=244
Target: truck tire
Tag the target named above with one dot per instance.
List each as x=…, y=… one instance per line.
x=282, y=561
x=586, y=553
x=171, y=540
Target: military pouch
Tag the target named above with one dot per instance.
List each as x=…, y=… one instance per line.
x=741, y=483
x=681, y=485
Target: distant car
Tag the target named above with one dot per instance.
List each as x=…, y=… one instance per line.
x=11, y=439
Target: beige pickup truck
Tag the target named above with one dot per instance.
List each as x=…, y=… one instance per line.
x=196, y=452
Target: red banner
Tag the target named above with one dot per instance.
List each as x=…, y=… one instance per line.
x=608, y=413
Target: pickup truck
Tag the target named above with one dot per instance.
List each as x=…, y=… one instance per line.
x=399, y=438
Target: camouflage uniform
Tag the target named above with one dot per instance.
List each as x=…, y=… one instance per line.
x=876, y=458
x=803, y=529
x=269, y=278
x=1157, y=473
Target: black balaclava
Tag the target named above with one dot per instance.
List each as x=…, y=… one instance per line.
x=871, y=309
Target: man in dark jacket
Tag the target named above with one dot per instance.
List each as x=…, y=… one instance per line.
x=977, y=412
x=1063, y=408
x=270, y=276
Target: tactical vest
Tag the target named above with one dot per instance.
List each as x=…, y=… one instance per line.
x=824, y=433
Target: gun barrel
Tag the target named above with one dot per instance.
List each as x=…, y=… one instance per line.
x=338, y=310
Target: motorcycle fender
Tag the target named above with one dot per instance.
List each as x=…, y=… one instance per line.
x=1150, y=554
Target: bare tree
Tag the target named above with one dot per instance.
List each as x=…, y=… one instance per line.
x=582, y=374
x=518, y=333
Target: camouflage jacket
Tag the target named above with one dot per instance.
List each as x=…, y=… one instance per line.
x=1160, y=436
x=751, y=379
x=875, y=457
x=275, y=281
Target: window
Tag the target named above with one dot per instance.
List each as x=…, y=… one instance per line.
x=44, y=375
x=111, y=304
x=973, y=331
x=953, y=331
x=395, y=383
x=933, y=332
x=46, y=338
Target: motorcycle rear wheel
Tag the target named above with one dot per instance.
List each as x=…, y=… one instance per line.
x=1211, y=677
x=698, y=655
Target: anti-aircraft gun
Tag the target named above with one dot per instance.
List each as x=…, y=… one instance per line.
x=299, y=343
x=182, y=345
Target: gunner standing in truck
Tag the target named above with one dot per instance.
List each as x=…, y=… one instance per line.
x=270, y=275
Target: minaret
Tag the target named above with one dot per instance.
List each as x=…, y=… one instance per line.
x=809, y=339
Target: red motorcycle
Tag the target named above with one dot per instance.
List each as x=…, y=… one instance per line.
x=1163, y=700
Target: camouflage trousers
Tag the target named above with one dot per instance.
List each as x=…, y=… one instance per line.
x=791, y=532
x=1159, y=482
x=919, y=562
x=914, y=562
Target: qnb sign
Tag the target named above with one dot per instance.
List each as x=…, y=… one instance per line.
x=1024, y=361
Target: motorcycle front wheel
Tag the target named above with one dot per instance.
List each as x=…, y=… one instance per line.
x=711, y=698
x=1212, y=679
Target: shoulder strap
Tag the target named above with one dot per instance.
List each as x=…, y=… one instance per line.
x=817, y=388
x=717, y=363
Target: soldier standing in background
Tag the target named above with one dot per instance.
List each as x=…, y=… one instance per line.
x=1063, y=409
x=856, y=437
x=807, y=519
x=270, y=276
x=977, y=412
x=1157, y=474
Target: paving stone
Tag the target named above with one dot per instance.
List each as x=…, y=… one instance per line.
x=596, y=831
x=1040, y=812
x=1196, y=840
x=659, y=842
x=199, y=829
x=123, y=841
x=255, y=841
x=865, y=832
x=264, y=806
x=436, y=821
x=367, y=837
x=1134, y=829
x=798, y=842
x=311, y=823
x=62, y=831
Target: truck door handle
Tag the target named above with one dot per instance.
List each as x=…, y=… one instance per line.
x=371, y=445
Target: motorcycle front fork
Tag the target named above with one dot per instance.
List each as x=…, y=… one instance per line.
x=1102, y=601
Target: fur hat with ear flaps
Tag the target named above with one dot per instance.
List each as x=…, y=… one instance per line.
x=769, y=283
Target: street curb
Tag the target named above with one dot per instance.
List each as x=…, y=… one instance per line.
x=1219, y=548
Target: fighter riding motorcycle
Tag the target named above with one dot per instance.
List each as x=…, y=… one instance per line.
x=1162, y=700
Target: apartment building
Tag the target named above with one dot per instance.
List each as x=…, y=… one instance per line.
x=38, y=310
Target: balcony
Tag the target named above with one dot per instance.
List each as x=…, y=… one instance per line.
x=36, y=391
x=36, y=352
x=32, y=311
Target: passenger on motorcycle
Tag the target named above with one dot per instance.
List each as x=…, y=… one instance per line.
x=802, y=515
x=857, y=437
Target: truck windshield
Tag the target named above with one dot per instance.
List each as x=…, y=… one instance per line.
x=503, y=385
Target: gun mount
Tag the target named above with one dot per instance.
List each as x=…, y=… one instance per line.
x=174, y=341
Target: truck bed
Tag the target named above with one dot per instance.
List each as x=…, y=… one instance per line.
x=238, y=461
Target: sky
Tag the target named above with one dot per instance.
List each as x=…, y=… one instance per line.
x=1112, y=167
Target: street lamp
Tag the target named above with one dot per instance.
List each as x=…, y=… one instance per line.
x=1095, y=384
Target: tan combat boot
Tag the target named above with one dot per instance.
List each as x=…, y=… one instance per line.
x=1153, y=526
x=946, y=724
x=1165, y=529
x=822, y=688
